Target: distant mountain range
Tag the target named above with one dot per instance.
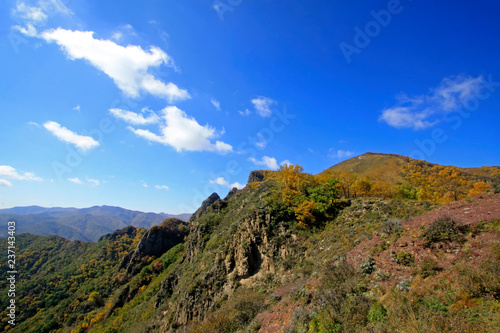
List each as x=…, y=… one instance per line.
x=85, y=224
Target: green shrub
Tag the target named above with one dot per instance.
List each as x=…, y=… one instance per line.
x=367, y=266
x=406, y=191
x=405, y=258
x=428, y=267
x=377, y=313
x=380, y=247
x=444, y=229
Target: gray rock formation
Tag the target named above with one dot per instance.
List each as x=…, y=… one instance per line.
x=155, y=242
x=204, y=206
x=256, y=176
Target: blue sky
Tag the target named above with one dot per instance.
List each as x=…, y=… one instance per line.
x=153, y=105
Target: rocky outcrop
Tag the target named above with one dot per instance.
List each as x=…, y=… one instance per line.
x=155, y=242
x=256, y=176
x=204, y=206
x=254, y=249
x=231, y=193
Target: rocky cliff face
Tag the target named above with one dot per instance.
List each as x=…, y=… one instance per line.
x=256, y=176
x=155, y=242
x=233, y=243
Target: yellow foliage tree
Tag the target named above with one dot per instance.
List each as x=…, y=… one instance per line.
x=479, y=188
x=304, y=212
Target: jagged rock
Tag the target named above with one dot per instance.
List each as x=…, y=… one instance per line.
x=204, y=206
x=256, y=176
x=155, y=242
x=231, y=193
x=166, y=289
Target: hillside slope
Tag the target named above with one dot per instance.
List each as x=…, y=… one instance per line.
x=390, y=168
x=284, y=254
x=60, y=281
x=383, y=167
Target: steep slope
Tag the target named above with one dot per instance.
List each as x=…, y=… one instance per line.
x=86, y=224
x=63, y=281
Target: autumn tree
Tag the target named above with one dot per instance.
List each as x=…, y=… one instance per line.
x=479, y=188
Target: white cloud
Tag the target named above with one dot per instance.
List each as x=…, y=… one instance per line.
x=261, y=141
x=94, y=182
x=266, y=161
x=77, y=108
x=33, y=16
x=54, y=7
x=421, y=112
x=75, y=180
x=286, y=162
x=245, y=113
x=135, y=118
x=28, y=30
x=334, y=153
x=32, y=123
x=222, y=182
x=62, y=133
x=117, y=36
x=127, y=65
x=215, y=103
x=145, y=185
x=124, y=31
x=184, y=133
x=6, y=171
x=162, y=187
x=5, y=183
x=262, y=105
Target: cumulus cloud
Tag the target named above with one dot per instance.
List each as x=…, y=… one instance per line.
x=222, y=182
x=420, y=112
x=6, y=171
x=62, y=133
x=162, y=187
x=75, y=180
x=215, y=103
x=127, y=66
x=263, y=105
x=334, y=153
x=266, y=161
x=182, y=132
x=135, y=118
x=5, y=183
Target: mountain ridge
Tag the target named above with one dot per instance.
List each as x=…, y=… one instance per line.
x=85, y=224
